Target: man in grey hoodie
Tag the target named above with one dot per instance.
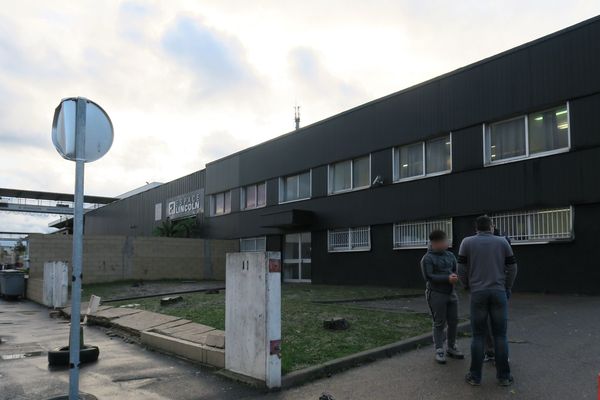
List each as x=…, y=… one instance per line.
x=487, y=267
x=438, y=266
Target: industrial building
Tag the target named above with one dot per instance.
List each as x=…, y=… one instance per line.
x=351, y=199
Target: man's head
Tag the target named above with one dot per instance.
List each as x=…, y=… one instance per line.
x=484, y=224
x=438, y=240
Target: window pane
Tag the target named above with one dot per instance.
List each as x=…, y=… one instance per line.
x=290, y=271
x=506, y=139
x=548, y=130
x=219, y=205
x=261, y=244
x=247, y=245
x=291, y=249
x=410, y=160
x=227, y=208
x=359, y=237
x=304, y=185
x=306, y=245
x=361, y=174
x=306, y=270
x=340, y=176
x=396, y=162
x=339, y=239
x=291, y=188
x=250, y=196
x=261, y=195
x=438, y=155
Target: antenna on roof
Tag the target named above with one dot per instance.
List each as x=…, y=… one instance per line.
x=297, y=116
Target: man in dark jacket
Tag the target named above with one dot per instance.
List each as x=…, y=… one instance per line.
x=487, y=266
x=438, y=266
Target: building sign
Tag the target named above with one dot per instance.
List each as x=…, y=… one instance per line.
x=186, y=205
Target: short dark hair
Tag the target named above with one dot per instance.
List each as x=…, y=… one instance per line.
x=437, y=235
x=483, y=223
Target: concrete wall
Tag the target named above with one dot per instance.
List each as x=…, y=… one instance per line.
x=115, y=258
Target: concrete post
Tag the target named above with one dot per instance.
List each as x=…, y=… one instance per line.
x=253, y=316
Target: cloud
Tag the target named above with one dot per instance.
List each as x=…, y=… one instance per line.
x=221, y=143
x=184, y=90
x=216, y=60
x=316, y=86
x=133, y=16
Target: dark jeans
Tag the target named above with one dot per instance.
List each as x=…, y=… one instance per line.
x=492, y=304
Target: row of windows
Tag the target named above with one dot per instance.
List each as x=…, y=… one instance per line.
x=531, y=135
x=521, y=227
x=534, y=226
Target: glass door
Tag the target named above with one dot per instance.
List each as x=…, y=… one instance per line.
x=296, y=258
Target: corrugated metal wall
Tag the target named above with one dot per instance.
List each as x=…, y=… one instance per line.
x=135, y=215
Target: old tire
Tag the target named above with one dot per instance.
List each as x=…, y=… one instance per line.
x=60, y=356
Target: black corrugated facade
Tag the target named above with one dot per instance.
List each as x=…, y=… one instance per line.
x=562, y=68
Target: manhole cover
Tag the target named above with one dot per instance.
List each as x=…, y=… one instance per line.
x=20, y=351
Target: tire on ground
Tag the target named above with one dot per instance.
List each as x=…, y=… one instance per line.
x=60, y=356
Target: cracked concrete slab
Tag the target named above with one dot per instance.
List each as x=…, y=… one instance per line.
x=142, y=321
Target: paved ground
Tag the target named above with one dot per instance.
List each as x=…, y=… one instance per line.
x=555, y=354
x=411, y=304
x=124, y=370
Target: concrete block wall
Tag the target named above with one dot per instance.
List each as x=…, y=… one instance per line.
x=35, y=290
x=115, y=258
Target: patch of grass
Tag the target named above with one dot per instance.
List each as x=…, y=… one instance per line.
x=207, y=309
x=105, y=290
x=305, y=341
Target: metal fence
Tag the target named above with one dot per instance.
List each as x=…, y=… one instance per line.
x=350, y=239
x=536, y=225
x=416, y=234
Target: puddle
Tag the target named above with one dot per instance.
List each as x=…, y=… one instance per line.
x=19, y=356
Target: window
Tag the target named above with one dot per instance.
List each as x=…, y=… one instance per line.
x=253, y=196
x=253, y=244
x=528, y=136
x=158, y=211
x=220, y=203
x=536, y=226
x=295, y=187
x=349, y=239
x=423, y=158
x=416, y=234
x=350, y=175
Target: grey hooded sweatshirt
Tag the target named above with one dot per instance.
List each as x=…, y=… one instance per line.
x=436, y=267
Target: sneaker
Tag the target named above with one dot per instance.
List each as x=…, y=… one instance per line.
x=489, y=357
x=506, y=382
x=472, y=381
x=454, y=352
x=440, y=358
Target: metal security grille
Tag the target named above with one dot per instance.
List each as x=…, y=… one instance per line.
x=351, y=239
x=536, y=225
x=416, y=234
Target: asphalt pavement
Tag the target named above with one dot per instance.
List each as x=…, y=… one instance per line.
x=554, y=350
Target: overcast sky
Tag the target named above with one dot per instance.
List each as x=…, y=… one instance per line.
x=187, y=82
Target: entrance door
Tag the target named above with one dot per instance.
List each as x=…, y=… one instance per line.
x=296, y=258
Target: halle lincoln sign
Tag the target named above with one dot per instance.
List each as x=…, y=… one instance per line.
x=185, y=205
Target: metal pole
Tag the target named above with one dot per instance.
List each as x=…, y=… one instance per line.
x=74, y=342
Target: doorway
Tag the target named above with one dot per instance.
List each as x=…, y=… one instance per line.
x=296, y=257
